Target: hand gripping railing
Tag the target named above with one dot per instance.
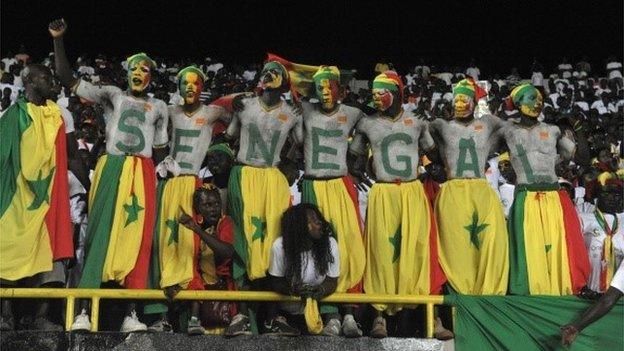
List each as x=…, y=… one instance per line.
x=95, y=295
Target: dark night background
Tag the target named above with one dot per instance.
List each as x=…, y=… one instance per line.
x=352, y=34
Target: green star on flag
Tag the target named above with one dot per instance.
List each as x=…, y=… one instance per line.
x=172, y=224
x=547, y=248
x=474, y=229
x=396, y=244
x=259, y=228
x=133, y=210
x=39, y=187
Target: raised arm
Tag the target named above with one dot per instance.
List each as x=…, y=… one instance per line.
x=57, y=29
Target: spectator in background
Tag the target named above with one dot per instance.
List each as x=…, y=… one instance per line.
x=583, y=66
x=537, y=76
x=473, y=71
x=564, y=68
x=8, y=61
x=22, y=56
x=614, y=71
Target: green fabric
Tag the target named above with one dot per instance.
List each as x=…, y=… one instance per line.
x=519, y=91
x=100, y=222
x=327, y=309
x=223, y=147
x=153, y=277
x=518, y=276
x=12, y=124
x=308, y=196
x=235, y=211
x=464, y=90
x=384, y=85
x=141, y=56
x=526, y=323
x=193, y=69
x=538, y=187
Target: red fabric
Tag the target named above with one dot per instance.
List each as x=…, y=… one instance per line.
x=437, y=278
x=58, y=220
x=196, y=283
x=218, y=127
x=431, y=190
x=272, y=57
x=577, y=252
x=137, y=278
x=225, y=233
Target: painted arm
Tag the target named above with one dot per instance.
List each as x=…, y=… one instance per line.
x=57, y=29
x=222, y=250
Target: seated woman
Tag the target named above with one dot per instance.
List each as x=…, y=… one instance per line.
x=305, y=262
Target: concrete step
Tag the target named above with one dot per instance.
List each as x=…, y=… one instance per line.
x=61, y=341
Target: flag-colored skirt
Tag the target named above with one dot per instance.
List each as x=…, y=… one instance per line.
x=257, y=198
x=337, y=200
x=547, y=251
x=473, y=241
x=178, y=246
x=122, y=208
x=401, y=243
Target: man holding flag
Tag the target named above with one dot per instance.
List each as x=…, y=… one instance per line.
x=35, y=229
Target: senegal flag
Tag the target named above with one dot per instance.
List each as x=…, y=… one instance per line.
x=35, y=227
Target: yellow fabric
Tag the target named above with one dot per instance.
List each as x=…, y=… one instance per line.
x=266, y=195
x=125, y=240
x=609, y=258
x=176, y=251
x=394, y=207
x=207, y=265
x=545, y=244
x=334, y=202
x=471, y=270
x=312, y=316
x=25, y=240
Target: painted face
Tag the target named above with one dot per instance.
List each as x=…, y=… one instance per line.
x=271, y=78
x=531, y=104
x=383, y=99
x=139, y=75
x=190, y=86
x=463, y=104
x=327, y=92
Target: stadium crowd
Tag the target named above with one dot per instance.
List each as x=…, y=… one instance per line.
x=236, y=208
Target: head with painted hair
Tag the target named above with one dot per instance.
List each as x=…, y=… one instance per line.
x=274, y=76
x=327, y=84
x=387, y=91
x=466, y=93
x=191, y=83
x=527, y=99
x=140, y=68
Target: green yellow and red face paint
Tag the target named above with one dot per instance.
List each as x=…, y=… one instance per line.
x=327, y=83
x=527, y=99
x=274, y=76
x=191, y=83
x=466, y=93
x=387, y=90
x=139, y=71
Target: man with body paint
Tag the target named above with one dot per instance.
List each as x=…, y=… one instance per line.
x=604, y=232
x=326, y=184
x=175, y=246
x=122, y=200
x=258, y=192
x=473, y=241
x=547, y=252
x=401, y=235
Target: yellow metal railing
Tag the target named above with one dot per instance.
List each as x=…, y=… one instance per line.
x=95, y=295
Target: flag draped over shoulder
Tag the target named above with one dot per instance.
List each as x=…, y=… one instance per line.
x=301, y=81
x=35, y=226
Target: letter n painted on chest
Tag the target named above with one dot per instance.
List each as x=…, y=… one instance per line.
x=257, y=143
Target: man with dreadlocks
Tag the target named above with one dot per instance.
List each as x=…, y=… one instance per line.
x=258, y=192
x=604, y=231
x=122, y=200
x=547, y=252
x=472, y=234
x=401, y=243
x=173, y=265
x=327, y=184
x=305, y=261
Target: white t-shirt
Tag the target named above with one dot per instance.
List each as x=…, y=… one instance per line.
x=249, y=75
x=277, y=268
x=86, y=70
x=68, y=119
x=566, y=69
x=618, y=279
x=537, y=79
x=474, y=72
x=8, y=62
x=614, y=70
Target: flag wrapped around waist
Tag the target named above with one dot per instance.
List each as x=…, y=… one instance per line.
x=35, y=224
